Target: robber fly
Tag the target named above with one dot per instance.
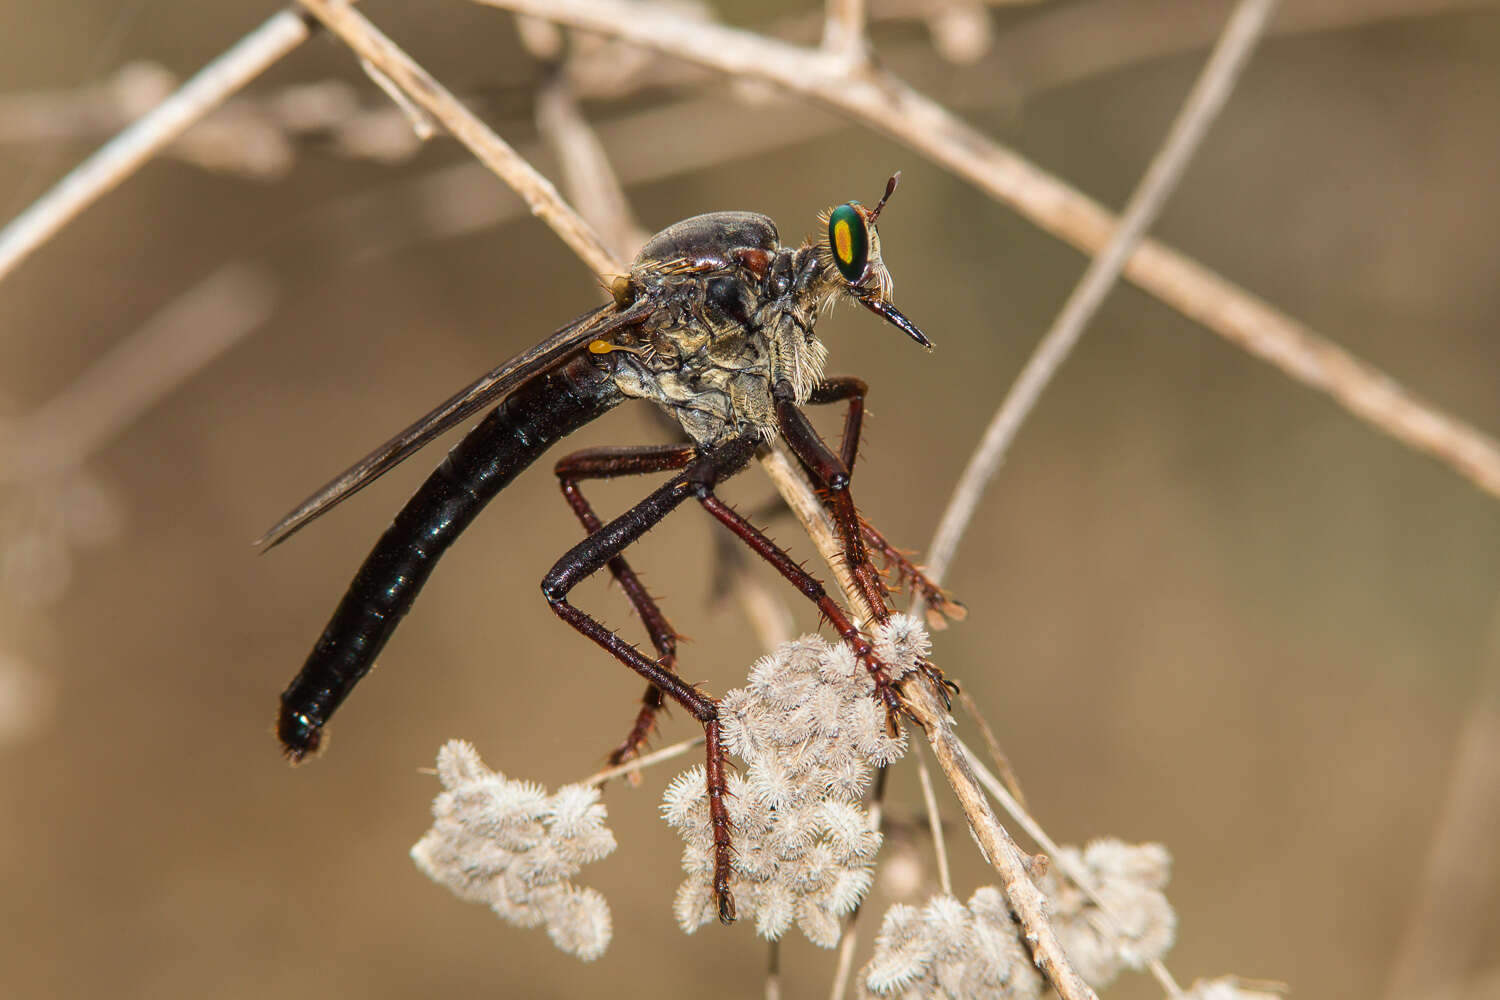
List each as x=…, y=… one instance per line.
x=714, y=323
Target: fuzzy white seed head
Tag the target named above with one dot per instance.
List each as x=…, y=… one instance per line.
x=810, y=732
x=1139, y=925
x=511, y=845
x=949, y=950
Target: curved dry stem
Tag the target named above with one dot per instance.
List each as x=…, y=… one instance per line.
x=919, y=699
x=1034, y=830
x=935, y=824
x=538, y=192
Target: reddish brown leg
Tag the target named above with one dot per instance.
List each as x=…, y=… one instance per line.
x=593, y=554
x=814, y=591
x=607, y=463
x=846, y=388
x=938, y=601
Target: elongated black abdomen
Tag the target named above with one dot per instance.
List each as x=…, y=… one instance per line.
x=515, y=434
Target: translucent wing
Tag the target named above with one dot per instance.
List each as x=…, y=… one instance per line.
x=487, y=389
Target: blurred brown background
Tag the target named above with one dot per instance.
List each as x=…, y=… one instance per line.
x=1207, y=607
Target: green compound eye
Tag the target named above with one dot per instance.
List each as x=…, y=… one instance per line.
x=849, y=242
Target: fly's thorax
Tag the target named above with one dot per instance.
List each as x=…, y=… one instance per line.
x=702, y=356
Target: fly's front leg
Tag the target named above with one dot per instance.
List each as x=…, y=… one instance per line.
x=847, y=388
x=940, y=605
x=593, y=554
x=607, y=463
x=830, y=474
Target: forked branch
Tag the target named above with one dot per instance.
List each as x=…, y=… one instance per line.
x=884, y=102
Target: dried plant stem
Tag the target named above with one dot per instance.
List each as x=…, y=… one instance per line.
x=882, y=101
x=998, y=847
x=1202, y=107
x=1079, y=877
x=773, y=969
x=126, y=152
x=539, y=194
x=646, y=760
x=935, y=822
x=1445, y=926
x=588, y=177
x=844, y=30
x=997, y=754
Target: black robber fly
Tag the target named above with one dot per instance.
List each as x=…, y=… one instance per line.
x=714, y=323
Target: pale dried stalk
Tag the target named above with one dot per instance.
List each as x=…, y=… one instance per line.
x=125, y=153
x=591, y=182
x=1027, y=822
x=935, y=823
x=844, y=31
x=882, y=101
x=645, y=760
x=998, y=847
x=1202, y=107
x=1445, y=926
x=539, y=194
x=773, y=969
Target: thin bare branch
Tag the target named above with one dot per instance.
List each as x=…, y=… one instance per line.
x=646, y=760
x=844, y=30
x=588, y=177
x=997, y=753
x=1202, y=107
x=1034, y=830
x=935, y=822
x=1445, y=924
x=126, y=152
x=540, y=196
x=882, y=101
x=999, y=849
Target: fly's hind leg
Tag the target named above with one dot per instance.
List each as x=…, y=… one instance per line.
x=608, y=463
x=702, y=471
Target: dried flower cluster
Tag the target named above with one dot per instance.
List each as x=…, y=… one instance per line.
x=512, y=846
x=1140, y=924
x=949, y=950
x=811, y=731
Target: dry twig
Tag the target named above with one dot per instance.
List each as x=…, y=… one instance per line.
x=881, y=100
x=1202, y=106
x=923, y=704
x=127, y=152
x=494, y=152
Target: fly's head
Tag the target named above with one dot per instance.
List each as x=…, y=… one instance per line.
x=852, y=264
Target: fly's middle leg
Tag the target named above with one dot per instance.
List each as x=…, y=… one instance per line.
x=595, y=552
x=851, y=390
x=607, y=463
